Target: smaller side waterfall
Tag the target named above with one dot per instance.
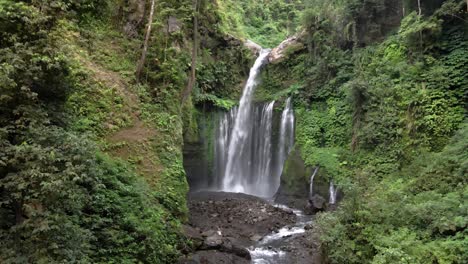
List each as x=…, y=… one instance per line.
x=286, y=138
x=332, y=192
x=311, y=187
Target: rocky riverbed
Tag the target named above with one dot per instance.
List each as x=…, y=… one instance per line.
x=238, y=228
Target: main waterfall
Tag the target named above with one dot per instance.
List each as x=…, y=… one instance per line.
x=238, y=164
x=245, y=147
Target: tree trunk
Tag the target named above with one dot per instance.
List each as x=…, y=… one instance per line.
x=467, y=6
x=192, y=78
x=141, y=63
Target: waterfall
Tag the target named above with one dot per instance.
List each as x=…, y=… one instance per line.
x=311, y=187
x=248, y=155
x=223, y=133
x=286, y=140
x=332, y=193
x=237, y=151
x=262, y=151
x=254, y=166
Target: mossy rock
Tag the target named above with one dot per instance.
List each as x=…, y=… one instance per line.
x=295, y=182
x=294, y=188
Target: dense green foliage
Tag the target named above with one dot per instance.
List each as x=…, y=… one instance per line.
x=61, y=198
x=383, y=113
x=265, y=22
x=380, y=94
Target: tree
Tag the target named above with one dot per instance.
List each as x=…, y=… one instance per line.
x=141, y=63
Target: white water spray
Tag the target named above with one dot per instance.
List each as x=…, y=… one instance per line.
x=232, y=180
x=311, y=187
x=286, y=139
x=332, y=190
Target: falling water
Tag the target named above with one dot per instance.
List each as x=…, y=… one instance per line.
x=248, y=155
x=255, y=166
x=234, y=175
x=262, y=152
x=311, y=187
x=286, y=139
x=223, y=133
x=332, y=192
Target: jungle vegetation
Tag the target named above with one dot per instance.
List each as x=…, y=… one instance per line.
x=379, y=89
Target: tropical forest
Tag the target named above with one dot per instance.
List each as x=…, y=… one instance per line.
x=234, y=131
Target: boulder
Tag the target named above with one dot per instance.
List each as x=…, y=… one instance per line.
x=253, y=47
x=294, y=188
x=289, y=45
x=136, y=13
x=230, y=40
x=233, y=246
x=332, y=207
x=213, y=241
x=256, y=238
x=173, y=24
x=317, y=203
x=194, y=235
x=208, y=233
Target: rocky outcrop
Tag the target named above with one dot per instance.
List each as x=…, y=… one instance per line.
x=317, y=203
x=294, y=188
x=214, y=240
x=295, y=183
x=253, y=47
x=173, y=25
x=288, y=46
x=235, y=215
x=136, y=14
x=223, y=225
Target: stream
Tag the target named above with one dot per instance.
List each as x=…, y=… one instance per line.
x=269, y=249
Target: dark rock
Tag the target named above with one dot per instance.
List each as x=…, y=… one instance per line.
x=294, y=188
x=256, y=238
x=317, y=203
x=332, y=207
x=173, y=24
x=208, y=233
x=236, y=214
x=230, y=40
x=213, y=257
x=213, y=241
x=135, y=16
x=194, y=235
x=233, y=246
